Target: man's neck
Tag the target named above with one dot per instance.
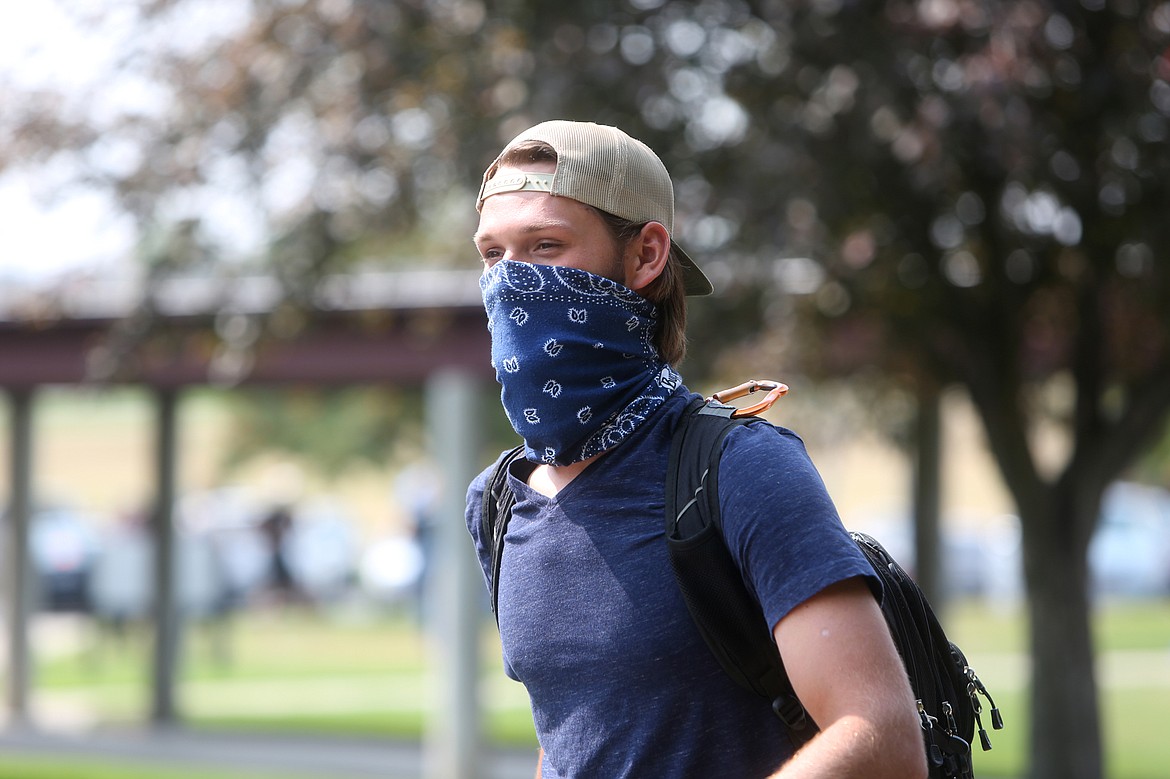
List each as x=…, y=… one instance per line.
x=549, y=480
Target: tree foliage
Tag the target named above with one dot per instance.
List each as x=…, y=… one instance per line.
x=334, y=430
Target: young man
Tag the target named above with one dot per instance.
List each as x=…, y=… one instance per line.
x=585, y=293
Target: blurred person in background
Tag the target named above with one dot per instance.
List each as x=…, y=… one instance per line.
x=585, y=292
x=276, y=527
x=417, y=487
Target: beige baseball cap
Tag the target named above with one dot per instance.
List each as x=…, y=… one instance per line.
x=603, y=167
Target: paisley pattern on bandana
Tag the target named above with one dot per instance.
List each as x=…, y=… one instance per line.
x=574, y=354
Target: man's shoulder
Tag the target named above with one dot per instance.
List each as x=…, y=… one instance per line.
x=478, y=485
x=759, y=437
x=763, y=462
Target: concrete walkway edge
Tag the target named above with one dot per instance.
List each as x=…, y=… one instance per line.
x=309, y=756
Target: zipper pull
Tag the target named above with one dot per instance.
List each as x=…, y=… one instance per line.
x=933, y=752
x=955, y=743
x=996, y=717
x=984, y=740
x=949, y=713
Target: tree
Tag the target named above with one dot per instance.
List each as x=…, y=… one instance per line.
x=984, y=189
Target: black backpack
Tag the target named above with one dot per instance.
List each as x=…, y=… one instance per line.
x=731, y=621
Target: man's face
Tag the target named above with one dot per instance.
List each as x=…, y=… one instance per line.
x=539, y=228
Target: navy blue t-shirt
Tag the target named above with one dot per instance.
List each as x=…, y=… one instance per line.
x=592, y=622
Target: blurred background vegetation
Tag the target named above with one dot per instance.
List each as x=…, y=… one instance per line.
x=913, y=210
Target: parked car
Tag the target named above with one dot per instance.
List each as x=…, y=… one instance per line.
x=980, y=553
x=319, y=545
x=322, y=549
x=1129, y=555
x=391, y=569
x=1130, y=552
x=227, y=520
x=63, y=547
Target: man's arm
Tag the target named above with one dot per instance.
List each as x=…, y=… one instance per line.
x=846, y=671
x=539, y=761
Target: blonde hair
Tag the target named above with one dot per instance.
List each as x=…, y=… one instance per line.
x=667, y=292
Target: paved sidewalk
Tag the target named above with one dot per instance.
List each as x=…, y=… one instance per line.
x=315, y=757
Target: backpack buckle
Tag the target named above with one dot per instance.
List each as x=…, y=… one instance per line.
x=775, y=390
x=791, y=712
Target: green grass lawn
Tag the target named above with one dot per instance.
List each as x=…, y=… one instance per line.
x=52, y=768
x=302, y=672
x=1133, y=669
x=281, y=671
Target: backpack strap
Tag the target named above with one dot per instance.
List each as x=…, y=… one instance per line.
x=727, y=615
x=496, y=511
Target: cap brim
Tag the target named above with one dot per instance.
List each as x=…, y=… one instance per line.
x=695, y=282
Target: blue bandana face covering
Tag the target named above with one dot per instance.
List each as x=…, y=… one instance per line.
x=575, y=356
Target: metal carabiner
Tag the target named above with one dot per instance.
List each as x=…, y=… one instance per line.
x=775, y=390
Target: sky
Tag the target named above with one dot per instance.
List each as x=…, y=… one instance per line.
x=49, y=231
x=41, y=47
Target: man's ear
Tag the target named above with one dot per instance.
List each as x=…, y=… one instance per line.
x=646, y=256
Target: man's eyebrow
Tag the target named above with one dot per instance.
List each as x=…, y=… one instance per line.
x=533, y=227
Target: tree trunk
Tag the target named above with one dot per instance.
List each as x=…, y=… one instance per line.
x=928, y=497
x=1065, y=738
